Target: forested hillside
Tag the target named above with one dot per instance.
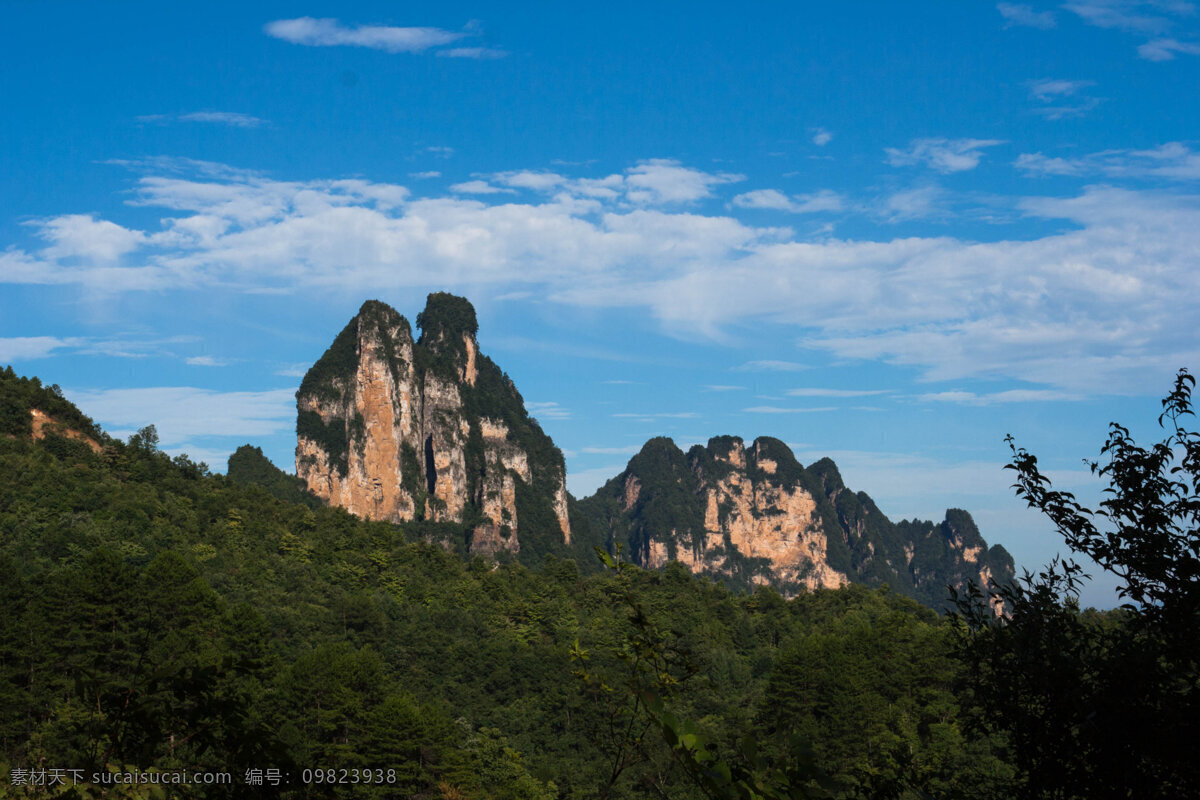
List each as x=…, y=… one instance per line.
x=157, y=616
x=157, y=620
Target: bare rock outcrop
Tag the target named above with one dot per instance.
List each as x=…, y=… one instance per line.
x=753, y=515
x=397, y=429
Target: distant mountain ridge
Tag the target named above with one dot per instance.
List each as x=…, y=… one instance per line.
x=755, y=516
x=430, y=434
x=403, y=430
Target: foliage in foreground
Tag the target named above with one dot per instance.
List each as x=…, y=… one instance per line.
x=1103, y=705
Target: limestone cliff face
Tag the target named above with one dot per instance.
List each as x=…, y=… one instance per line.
x=395, y=429
x=753, y=515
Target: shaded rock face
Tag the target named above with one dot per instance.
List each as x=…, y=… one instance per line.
x=395, y=429
x=754, y=516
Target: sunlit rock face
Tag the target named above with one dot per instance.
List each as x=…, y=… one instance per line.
x=395, y=429
x=753, y=515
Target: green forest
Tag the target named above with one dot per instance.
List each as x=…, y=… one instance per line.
x=157, y=618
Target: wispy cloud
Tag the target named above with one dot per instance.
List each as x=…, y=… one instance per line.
x=1024, y=15
x=824, y=200
x=943, y=155
x=478, y=53
x=655, y=181
x=768, y=365
x=1156, y=20
x=819, y=392
x=327, y=32
x=479, y=187
x=232, y=119
x=1172, y=161
x=821, y=137
x=1050, y=88
x=206, y=361
x=920, y=202
x=659, y=415
x=425, y=175
x=28, y=348
x=1092, y=307
x=1010, y=396
x=1058, y=92
x=780, y=410
x=723, y=388
x=548, y=409
x=1165, y=49
x=613, y=451
x=1123, y=15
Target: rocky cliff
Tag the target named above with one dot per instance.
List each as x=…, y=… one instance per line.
x=753, y=516
x=392, y=428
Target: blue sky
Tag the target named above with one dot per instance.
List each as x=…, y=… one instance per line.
x=887, y=233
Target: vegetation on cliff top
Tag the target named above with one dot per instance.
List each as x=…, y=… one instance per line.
x=20, y=396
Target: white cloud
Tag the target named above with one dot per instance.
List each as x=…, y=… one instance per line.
x=433, y=173
x=816, y=392
x=821, y=137
x=206, y=361
x=230, y=118
x=912, y=204
x=1092, y=307
x=547, y=410
x=1172, y=161
x=1121, y=14
x=661, y=180
x=1153, y=19
x=182, y=413
x=26, y=348
x=723, y=388
x=330, y=33
x=530, y=179
x=477, y=53
x=779, y=410
x=478, y=187
x=613, y=451
x=1024, y=15
x=824, y=200
x=1010, y=396
x=83, y=236
x=943, y=155
x=767, y=365
x=1048, y=88
x=1068, y=111
x=1165, y=49
x=660, y=415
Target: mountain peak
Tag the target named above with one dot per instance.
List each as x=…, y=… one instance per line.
x=446, y=320
x=754, y=515
x=397, y=430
